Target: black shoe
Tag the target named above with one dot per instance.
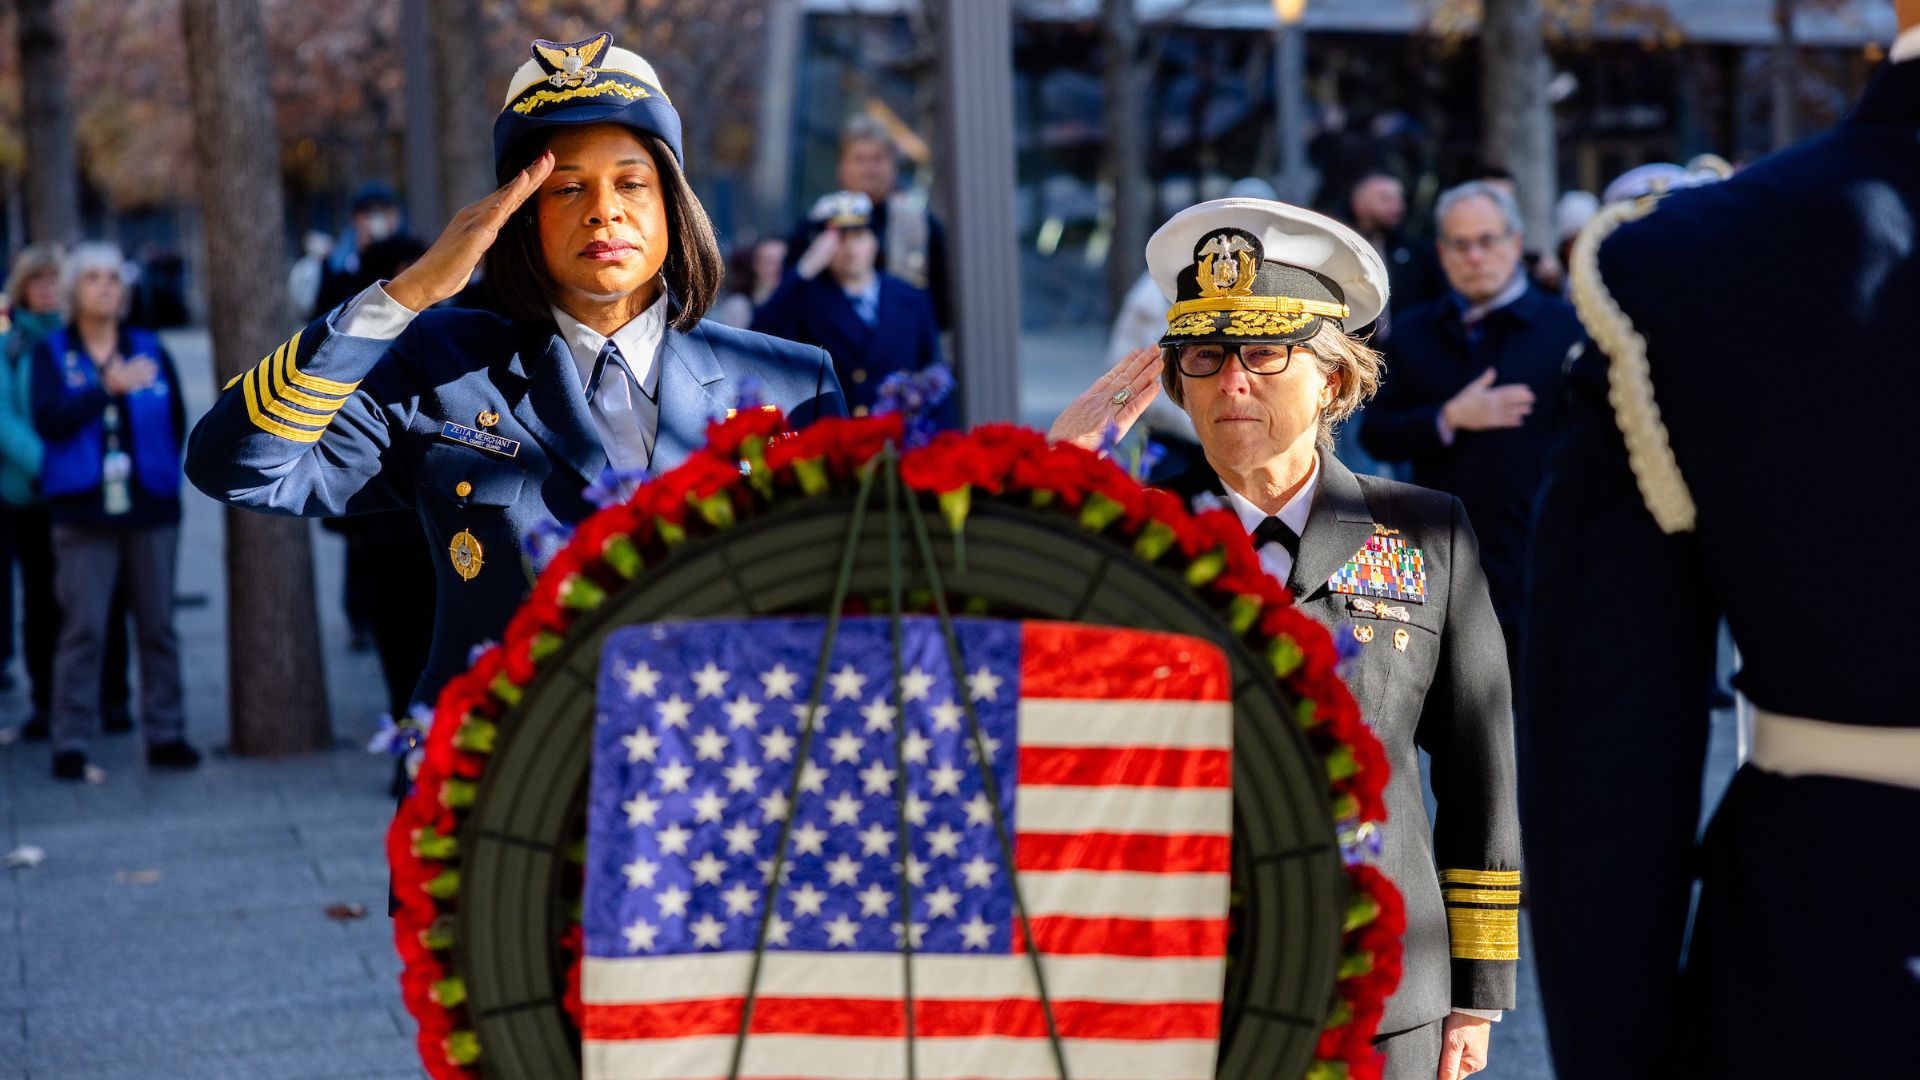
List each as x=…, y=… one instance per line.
x=117, y=720
x=173, y=755
x=36, y=729
x=70, y=765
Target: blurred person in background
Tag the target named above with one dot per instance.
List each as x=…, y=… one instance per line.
x=303, y=281
x=107, y=404
x=912, y=242
x=33, y=289
x=871, y=322
x=1475, y=384
x=752, y=275
x=1377, y=209
x=374, y=216
x=1570, y=216
x=33, y=296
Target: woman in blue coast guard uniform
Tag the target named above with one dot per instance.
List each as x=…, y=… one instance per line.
x=601, y=263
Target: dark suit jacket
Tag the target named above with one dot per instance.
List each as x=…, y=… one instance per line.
x=331, y=424
x=1496, y=474
x=1447, y=693
x=1778, y=309
x=816, y=311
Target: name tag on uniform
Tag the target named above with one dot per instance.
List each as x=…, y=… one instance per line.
x=479, y=440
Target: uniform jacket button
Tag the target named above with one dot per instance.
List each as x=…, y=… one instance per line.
x=463, y=489
x=859, y=375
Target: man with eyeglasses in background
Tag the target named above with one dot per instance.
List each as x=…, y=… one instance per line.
x=1473, y=393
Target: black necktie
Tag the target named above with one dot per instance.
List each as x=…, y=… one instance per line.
x=1275, y=531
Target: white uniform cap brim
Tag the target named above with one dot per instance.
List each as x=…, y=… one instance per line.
x=625, y=60
x=1289, y=235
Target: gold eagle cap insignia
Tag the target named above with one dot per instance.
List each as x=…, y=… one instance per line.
x=1226, y=267
x=574, y=63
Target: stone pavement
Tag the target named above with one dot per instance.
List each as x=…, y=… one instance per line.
x=178, y=926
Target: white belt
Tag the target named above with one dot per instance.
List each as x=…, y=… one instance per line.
x=1791, y=746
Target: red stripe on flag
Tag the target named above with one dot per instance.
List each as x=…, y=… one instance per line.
x=1066, y=936
x=885, y=1018
x=1070, y=660
x=1176, y=853
x=1130, y=766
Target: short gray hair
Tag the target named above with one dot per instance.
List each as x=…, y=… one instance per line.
x=93, y=255
x=1479, y=189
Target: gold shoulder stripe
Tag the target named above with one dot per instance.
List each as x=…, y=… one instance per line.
x=1630, y=379
x=1479, y=877
x=267, y=423
x=1474, y=934
x=313, y=382
x=277, y=382
x=1509, y=897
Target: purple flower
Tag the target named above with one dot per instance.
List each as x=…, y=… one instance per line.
x=1360, y=841
x=753, y=395
x=915, y=395
x=544, y=540
x=606, y=489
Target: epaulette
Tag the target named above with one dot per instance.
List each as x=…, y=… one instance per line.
x=1629, y=378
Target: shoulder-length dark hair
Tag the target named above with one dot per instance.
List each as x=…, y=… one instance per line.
x=516, y=277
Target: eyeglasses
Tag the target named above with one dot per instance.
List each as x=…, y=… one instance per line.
x=1200, y=361
x=1463, y=245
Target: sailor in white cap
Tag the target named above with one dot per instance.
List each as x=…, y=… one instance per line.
x=1260, y=350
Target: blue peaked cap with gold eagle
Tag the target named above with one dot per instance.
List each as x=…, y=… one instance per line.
x=585, y=82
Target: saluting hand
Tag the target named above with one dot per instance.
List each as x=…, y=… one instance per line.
x=1084, y=422
x=448, y=265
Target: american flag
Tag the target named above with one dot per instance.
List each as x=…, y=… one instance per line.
x=1111, y=753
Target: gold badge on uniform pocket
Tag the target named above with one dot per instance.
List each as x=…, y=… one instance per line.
x=465, y=553
x=1363, y=634
x=1400, y=639
x=487, y=418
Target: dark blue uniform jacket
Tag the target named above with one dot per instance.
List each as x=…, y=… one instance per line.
x=818, y=312
x=331, y=425
x=1778, y=310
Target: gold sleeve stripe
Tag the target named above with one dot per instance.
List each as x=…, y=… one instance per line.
x=313, y=382
x=235, y=381
x=267, y=423
x=275, y=407
x=1479, y=877
x=1481, y=896
x=1483, y=935
x=277, y=368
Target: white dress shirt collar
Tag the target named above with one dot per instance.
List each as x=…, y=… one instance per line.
x=1273, y=556
x=1906, y=46
x=639, y=341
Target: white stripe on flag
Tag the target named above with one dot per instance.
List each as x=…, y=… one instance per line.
x=645, y=980
x=1116, y=724
x=841, y=1058
x=1123, y=894
x=1118, y=809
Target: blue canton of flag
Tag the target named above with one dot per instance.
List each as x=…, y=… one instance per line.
x=694, y=756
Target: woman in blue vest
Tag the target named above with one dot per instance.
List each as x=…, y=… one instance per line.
x=106, y=401
x=601, y=264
